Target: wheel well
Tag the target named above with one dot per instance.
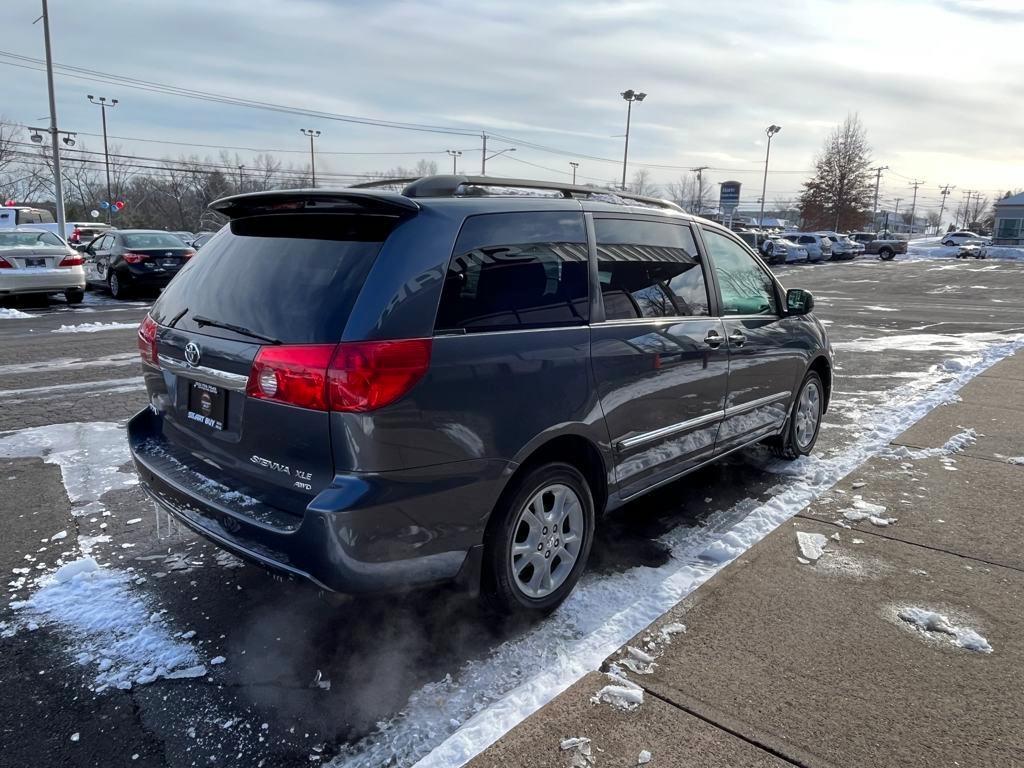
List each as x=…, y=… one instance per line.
x=575, y=450
x=824, y=370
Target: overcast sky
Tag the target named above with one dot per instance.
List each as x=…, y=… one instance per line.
x=937, y=83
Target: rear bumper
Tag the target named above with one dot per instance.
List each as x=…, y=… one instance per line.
x=40, y=280
x=368, y=532
x=148, y=278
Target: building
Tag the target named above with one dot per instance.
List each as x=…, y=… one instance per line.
x=1009, y=224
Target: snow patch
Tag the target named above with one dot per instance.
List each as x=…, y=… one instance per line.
x=622, y=694
x=12, y=314
x=930, y=621
x=812, y=545
x=95, y=327
x=955, y=444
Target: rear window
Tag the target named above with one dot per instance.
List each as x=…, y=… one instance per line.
x=153, y=240
x=291, y=277
x=28, y=239
x=516, y=270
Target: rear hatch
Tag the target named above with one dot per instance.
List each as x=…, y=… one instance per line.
x=272, y=284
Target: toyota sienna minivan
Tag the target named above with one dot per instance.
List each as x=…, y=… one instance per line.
x=374, y=390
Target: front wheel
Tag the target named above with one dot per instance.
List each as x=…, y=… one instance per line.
x=538, y=541
x=886, y=254
x=801, y=431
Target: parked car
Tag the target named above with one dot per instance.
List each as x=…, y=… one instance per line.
x=185, y=237
x=338, y=393
x=778, y=250
x=819, y=248
x=960, y=238
x=202, y=239
x=881, y=245
x=87, y=232
x=124, y=260
x=843, y=248
x=34, y=261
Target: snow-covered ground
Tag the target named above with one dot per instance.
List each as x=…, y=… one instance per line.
x=6, y=313
x=923, y=248
x=95, y=327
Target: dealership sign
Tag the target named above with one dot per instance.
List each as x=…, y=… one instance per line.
x=729, y=197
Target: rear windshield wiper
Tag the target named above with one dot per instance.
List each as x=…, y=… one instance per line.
x=201, y=321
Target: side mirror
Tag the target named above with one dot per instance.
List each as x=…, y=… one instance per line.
x=799, y=301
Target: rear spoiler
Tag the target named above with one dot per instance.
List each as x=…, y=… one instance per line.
x=315, y=201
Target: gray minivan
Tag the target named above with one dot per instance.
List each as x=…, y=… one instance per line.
x=374, y=390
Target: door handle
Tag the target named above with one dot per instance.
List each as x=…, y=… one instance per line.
x=713, y=340
x=737, y=338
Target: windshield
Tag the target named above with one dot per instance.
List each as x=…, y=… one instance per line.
x=154, y=240
x=28, y=239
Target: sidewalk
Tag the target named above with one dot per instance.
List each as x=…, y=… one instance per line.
x=785, y=662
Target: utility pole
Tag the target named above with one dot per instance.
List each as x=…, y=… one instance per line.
x=878, y=181
x=574, y=167
x=485, y=157
x=58, y=185
x=103, y=105
x=897, y=211
x=455, y=155
x=698, y=203
x=240, y=169
x=913, y=208
x=313, y=134
x=967, y=209
x=630, y=96
x=945, y=191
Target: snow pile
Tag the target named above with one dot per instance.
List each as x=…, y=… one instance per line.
x=95, y=327
x=1003, y=252
x=12, y=314
x=930, y=621
x=812, y=545
x=644, y=757
x=955, y=444
x=621, y=694
x=582, y=754
x=115, y=632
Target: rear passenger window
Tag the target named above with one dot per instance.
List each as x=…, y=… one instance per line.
x=648, y=269
x=516, y=270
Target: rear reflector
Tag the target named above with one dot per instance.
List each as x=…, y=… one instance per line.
x=147, y=341
x=359, y=376
x=72, y=260
x=135, y=258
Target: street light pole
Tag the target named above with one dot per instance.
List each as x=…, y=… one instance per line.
x=770, y=131
x=630, y=96
x=312, y=133
x=58, y=185
x=455, y=155
x=102, y=104
x=574, y=167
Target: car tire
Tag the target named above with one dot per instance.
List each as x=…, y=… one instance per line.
x=74, y=295
x=559, y=502
x=948, y=243
x=886, y=254
x=116, y=285
x=804, y=422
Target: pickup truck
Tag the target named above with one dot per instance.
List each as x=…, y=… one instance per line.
x=886, y=249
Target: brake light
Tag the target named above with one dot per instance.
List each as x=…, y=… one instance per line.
x=72, y=260
x=371, y=374
x=189, y=255
x=147, y=341
x=135, y=258
x=359, y=376
x=5, y=264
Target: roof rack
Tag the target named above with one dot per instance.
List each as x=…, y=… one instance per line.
x=449, y=186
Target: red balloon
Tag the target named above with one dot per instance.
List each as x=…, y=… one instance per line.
x=119, y=205
x=9, y=203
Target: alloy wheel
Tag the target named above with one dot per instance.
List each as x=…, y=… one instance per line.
x=546, y=541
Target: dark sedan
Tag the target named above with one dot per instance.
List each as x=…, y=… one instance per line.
x=135, y=259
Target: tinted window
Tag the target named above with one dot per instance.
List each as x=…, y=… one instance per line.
x=293, y=277
x=648, y=269
x=516, y=270
x=28, y=239
x=746, y=287
x=806, y=239
x=153, y=240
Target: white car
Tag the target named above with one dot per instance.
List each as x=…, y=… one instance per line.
x=843, y=248
x=962, y=238
x=37, y=261
x=819, y=247
x=776, y=249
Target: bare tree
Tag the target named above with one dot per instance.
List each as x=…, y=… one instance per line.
x=690, y=192
x=642, y=184
x=839, y=195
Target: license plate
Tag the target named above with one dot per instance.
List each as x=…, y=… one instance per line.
x=170, y=262
x=35, y=262
x=206, y=404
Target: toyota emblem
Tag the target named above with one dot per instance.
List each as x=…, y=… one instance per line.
x=192, y=353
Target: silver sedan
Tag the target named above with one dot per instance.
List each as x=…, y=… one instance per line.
x=38, y=261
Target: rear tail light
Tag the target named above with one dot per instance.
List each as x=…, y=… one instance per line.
x=135, y=258
x=5, y=264
x=72, y=260
x=355, y=377
x=147, y=341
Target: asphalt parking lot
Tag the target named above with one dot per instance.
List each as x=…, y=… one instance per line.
x=308, y=679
